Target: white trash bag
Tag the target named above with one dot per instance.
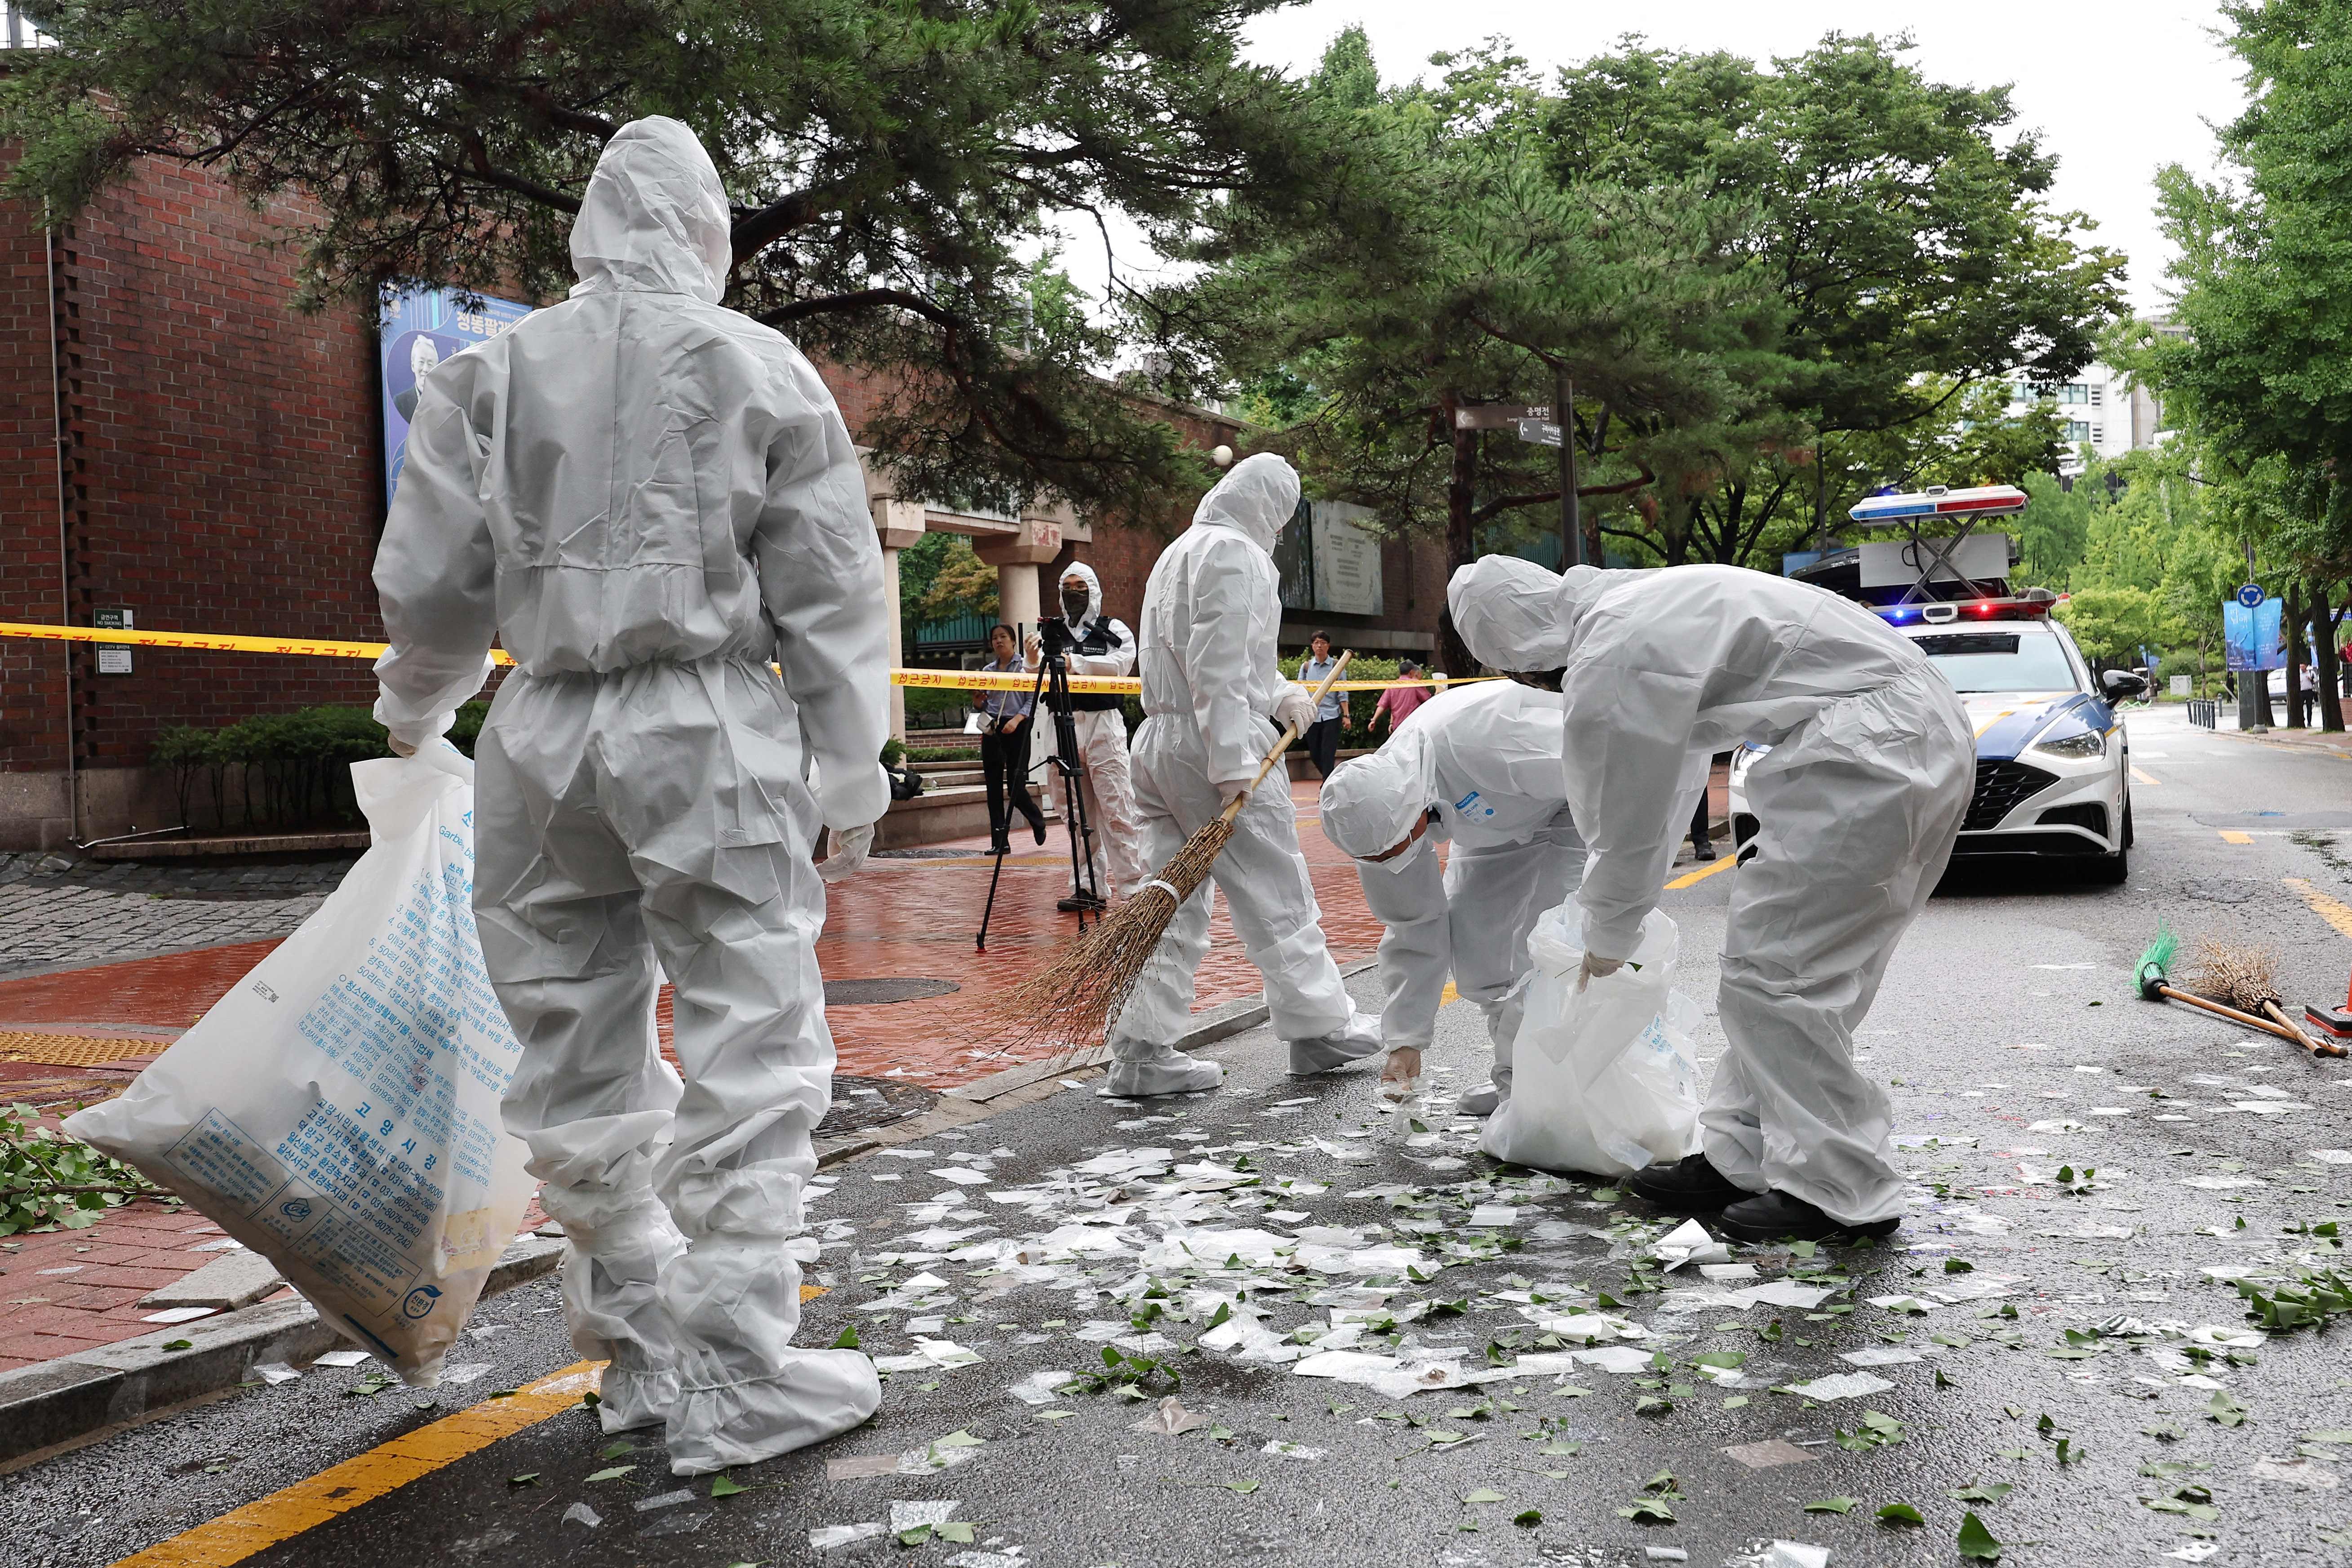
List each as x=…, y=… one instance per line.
x=1602, y=1080
x=338, y=1110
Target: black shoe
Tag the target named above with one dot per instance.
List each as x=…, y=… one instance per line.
x=1000, y=844
x=1689, y=1185
x=1037, y=827
x=1777, y=1215
x=1703, y=851
x=1077, y=902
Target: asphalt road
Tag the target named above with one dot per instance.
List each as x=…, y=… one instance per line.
x=2010, y=1031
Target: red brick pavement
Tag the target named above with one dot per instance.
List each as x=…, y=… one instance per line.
x=896, y=919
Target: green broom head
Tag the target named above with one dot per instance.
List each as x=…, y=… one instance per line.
x=2152, y=963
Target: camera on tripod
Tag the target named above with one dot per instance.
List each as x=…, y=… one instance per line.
x=1054, y=638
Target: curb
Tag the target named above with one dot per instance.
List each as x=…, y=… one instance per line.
x=82, y=1397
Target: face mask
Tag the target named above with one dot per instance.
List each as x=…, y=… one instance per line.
x=1396, y=863
x=1074, y=605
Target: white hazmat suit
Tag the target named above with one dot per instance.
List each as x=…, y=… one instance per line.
x=1211, y=698
x=1105, y=645
x=648, y=498
x=1858, y=804
x=1484, y=760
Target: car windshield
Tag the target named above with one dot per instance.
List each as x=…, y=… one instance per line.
x=1998, y=662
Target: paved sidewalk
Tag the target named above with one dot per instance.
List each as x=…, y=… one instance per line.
x=55, y=912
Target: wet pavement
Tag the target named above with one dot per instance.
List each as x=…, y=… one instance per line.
x=2054, y=1331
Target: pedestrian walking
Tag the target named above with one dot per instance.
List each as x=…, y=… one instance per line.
x=1399, y=702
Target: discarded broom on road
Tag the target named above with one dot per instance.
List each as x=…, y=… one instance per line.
x=1075, y=997
x=2238, y=973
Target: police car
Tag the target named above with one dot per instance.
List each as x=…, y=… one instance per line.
x=2053, y=763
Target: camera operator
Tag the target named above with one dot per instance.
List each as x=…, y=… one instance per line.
x=1100, y=645
x=1004, y=746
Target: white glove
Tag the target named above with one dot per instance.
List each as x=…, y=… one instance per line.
x=847, y=853
x=1228, y=788
x=1296, y=710
x=1594, y=967
x=405, y=739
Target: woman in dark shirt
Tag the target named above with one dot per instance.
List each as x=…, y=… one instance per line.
x=1004, y=745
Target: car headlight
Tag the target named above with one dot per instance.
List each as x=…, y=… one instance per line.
x=2073, y=740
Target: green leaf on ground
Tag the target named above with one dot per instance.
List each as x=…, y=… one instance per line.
x=1903, y=1514
x=1484, y=1494
x=613, y=1474
x=721, y=1486
x=1832, y=1505
x=1976, y=1541
x=527, y=1479
x=1648, y=1510
x=1528, y=1520
x=1979, y=1492
x=847, y=1340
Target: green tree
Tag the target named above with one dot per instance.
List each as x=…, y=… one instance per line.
x=1908, y=236
x=888, y=166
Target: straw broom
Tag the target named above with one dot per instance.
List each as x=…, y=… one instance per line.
x=1075, y=997
x=2246, y=977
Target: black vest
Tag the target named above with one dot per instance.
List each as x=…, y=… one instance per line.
x=1098, y=642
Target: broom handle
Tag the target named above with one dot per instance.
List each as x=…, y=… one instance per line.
x=2264, y=1025
x=1233, y=809
x=2299, y=1035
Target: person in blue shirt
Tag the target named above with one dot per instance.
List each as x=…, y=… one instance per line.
x=1322, y=737
x=1004, y=745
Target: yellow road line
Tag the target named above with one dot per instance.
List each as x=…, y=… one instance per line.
x=1448, y=994
x=1724, y=862
x=2142, y=778
x=2335, y=912
x=338, y=1489
x=2232, y=836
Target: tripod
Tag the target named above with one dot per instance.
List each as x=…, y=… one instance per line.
x=1053, y=687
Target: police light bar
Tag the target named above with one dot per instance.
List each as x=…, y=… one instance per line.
x=2031, y=604
x=1986, y=500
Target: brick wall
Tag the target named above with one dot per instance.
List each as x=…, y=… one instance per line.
x=221, y=452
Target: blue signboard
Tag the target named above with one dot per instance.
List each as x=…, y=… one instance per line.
x=2251, y=595
x=418, y=331
x=2253, y=636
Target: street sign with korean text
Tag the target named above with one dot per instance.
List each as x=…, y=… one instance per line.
x=1542, y=432
x=1497, y=416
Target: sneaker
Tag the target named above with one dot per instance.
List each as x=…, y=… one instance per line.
x=1353, y=1041
x=1690, y=1185
x=1480, y=1101
x=1777, y=1215
x=1143, y=1071
x=1077, y=902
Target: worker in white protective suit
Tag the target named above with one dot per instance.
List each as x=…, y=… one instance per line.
x=648, y=499
x=1858, y=804
x=1478, y=769
x=1213, y=704
x=1101, y=645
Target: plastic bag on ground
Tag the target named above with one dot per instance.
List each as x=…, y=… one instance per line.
x=338, y=1110
x=1602, y=1081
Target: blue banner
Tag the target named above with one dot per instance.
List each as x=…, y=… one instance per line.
x=418, y=331
x=2253, y=638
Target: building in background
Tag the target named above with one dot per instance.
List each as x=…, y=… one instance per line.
x=2104, y=409
x=180, y=450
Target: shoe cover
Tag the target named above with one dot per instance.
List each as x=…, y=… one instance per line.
x=1480, y=1101
x=1360, y=1038
x=1159, y=1070
x=616, y=1249
x=819, y=1394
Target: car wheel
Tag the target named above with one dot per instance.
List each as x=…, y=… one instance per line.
x=2109, y=870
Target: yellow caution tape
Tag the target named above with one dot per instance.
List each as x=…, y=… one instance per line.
x=966, y=679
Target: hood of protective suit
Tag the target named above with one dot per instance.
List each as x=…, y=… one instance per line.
x=1510, y=612
x=654, y=217
x=1369, y=804
x=1254, y=499
x=1094, y=590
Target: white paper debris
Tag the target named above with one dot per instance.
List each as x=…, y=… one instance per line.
x=1878, y=1356
x=178, y=1315
x=1842, y=1386
x=274, y=1372
x=581, y=1513
x=344, y=1358
x=831, y=1536
x=1485, y=1214
x=1294, y=1450
x=910, y=1515
x=1038, y=1387
x=1796, y=1554
x=2219, y=1183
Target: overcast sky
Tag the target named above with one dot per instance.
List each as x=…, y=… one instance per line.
x=2117, y=89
